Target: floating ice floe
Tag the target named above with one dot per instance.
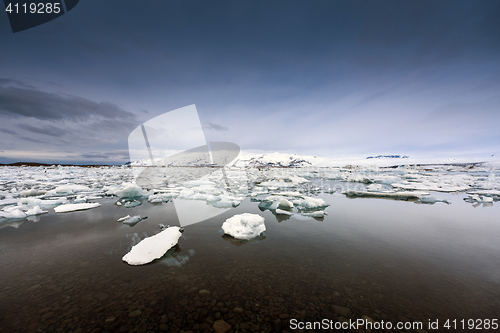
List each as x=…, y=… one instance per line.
x=127, y=190
x=432, y=200
x=485, y=192
x=394, y=195
x=283, y=212
x=226, y=201
x=308, y=203
x=279, y=202
x=121, y=219
x=32, y=192
x=161, y=197
x=13, y=214
x=35, y=211
x=131, y=220
x=67, y=190
x=244, y=226
x=131, y=204
x=317, y=214
x=74, y=207
x=475, y=198
x=153, y=247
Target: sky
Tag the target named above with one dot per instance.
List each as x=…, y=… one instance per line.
x=330, y=78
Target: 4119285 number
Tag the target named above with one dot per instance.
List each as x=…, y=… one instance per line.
x=472, y=324
x=34, y=8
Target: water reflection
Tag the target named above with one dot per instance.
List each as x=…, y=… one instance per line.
x=4, y=223
x=239, y=242
x=173, y=257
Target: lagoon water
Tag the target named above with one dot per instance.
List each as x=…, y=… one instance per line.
x=391, y=260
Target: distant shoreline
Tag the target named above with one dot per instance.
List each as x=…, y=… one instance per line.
x=36, y=164
x=56, y=164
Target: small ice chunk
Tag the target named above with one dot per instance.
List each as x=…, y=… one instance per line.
x=244, y=226
x=318, y=214
x=283, y=212
x=153, y=247
x=74, y=207
x=32, y=192
x=298, y=180
x=396, y=195
x=123, y=218
x=432, y=200
x=131, y=204
x=285, y=204
x=14, y=214
x=79, y=200
x=128, y=190
x=67, y=190
x=487, y=200
x=310, y=203
x=162, y=197
x=213, y=198
x=35, y=211
x=131, y=221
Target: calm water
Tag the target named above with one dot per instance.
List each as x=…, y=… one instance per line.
x=391, y=260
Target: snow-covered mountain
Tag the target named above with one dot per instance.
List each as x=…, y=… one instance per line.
x=272, y=160
x=388, y=156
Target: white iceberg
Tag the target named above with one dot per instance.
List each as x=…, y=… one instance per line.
x=279, y=202
x=153, y=247
x=74, y=207
x=128, y=190
x=283, y=212
x=14, y=214
x=244, y=226
x=310, y=203
x=35, y=211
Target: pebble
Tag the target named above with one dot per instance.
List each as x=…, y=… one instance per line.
x=135, y=313
x=342, y=311
x=220, y=326
x=204, y=292
x=125, y=328
x=238, y=310
x=101, y=297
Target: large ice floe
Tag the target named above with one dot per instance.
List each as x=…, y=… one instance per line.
x=153, y=247
x=74, y=207
x=244, y=226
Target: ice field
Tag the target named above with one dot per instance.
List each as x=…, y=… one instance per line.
x=31, y=191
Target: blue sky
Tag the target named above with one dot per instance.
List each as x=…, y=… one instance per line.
x=328, y=78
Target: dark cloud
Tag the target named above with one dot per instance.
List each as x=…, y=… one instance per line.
x=7, y=131
x=214, y=127
x=106, y=155
x=45, y=130
x=19, y=100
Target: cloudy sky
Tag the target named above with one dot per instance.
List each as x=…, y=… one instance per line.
x=328, y=78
